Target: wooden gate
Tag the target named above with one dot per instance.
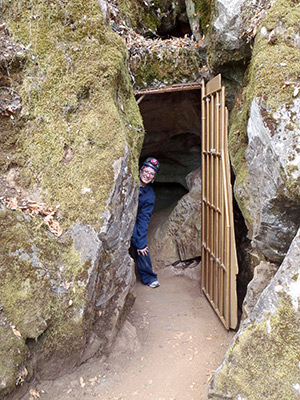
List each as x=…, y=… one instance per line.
x=218, y=254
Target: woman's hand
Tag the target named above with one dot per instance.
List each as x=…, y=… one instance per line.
x=143, y=252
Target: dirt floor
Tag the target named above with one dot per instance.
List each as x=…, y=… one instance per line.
x=169, y=350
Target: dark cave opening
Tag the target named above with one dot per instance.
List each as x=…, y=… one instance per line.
x=180, y=29
x=242, y=246
x=167, y=195
x=172, y=123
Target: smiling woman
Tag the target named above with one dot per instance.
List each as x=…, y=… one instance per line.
x=139, y=238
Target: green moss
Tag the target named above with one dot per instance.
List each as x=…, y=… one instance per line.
x=260, y=83
x=262, y=355
x=265, y=58
x=139, y=15
x=12, y=354
x=76, y=94
x=44, y=287
x=167, y=67
x=204, y=8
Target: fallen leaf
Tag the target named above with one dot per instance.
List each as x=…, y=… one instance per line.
x=24, y=372
x=17, y=333
x=82, y=384
x=13, y=204
x=66, y=285
x=296, y=91
x=39, y=226
x=35, y=393
x=287, y=83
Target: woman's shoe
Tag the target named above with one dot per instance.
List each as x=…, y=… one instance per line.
x=154, y=284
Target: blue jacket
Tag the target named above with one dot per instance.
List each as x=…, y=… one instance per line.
x=145, y=208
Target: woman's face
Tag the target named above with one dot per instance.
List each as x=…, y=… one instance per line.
x=147, y=175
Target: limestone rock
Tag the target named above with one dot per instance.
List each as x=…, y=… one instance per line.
x=227, y=22
x=226, y=44
x=179, y=237
x=66, y=296
x=262, y=361
x=127, y=343
x=12, y=354
x=264, y=138
x=272, y=162
x=263, y=273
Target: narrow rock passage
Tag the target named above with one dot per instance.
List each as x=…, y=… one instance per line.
x=181, y=341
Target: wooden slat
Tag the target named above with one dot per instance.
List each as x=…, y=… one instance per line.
x=214, y=85
x=203, y=186
x=172, y=88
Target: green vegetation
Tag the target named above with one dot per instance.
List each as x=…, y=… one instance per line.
x=266, y=77
x=44, y=282
x=12, y=354
x=273, y=343
x=204, y=9
x=76, y=95
x=167, y=66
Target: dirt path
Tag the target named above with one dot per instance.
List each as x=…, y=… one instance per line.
x=181, y=343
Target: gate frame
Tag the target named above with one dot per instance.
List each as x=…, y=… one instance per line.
x=219, y=265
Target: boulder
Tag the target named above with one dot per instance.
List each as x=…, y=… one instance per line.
x=13, y=351
x=272, y=163
x=262, y=361
x=264, y=137
x=178, y=237
x=226, y=43
x=263, y=273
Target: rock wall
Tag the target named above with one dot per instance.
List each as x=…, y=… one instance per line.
x=264, y=141
x=177, y=236
x=71, y=134
x=264, y=135
x=262, y=361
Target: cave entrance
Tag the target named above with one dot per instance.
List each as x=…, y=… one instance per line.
x=186, y=129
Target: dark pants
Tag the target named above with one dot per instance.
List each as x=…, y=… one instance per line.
x=144, y=267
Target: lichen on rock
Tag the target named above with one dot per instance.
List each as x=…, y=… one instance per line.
x=75, y=146
x=263, y=360
x=74, y=60
x=275, y=95
x=41, y=289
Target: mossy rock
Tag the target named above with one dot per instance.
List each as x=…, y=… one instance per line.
x=263, y=362
x=79, y=116
x=42, y=289
x=77, y=95
x=150, y=17
x=166, y=67
x=13, y=353
x=260, y=83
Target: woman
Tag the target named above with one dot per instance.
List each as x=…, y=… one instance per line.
x=139, y=238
